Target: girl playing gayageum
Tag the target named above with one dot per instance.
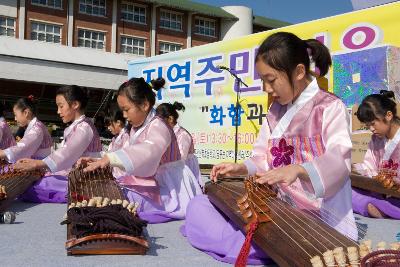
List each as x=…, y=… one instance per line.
x=303, y=148
x=378, y=112
x=80, y=139
x=36, y=142
x=162, y=184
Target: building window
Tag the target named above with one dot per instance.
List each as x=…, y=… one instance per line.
x=169, y=47
x=7, y=26
x=93, y=7
x=45, y=32
x=131, y=45
x=91, y=39
x=171, y=20
x=204, y=27
x=48, y=3
x=133, y=13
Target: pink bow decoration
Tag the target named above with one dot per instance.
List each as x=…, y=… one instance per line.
x=282, y=153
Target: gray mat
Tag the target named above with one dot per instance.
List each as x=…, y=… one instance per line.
x=37, y=239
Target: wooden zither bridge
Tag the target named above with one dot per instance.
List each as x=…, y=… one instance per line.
x=100, y=220
x=290, y=235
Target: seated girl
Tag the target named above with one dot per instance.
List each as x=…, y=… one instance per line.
x=303, y=148
x=80, y=139
x=169, y=112
x=378, y=112
x=6, y=137
x=119, y=128
x=36, y=142
x=160, y=181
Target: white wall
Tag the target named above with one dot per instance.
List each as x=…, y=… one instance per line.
x=243, y=26
x=8, y=8
x=41, y=71
x=35, y=61
x=61, y=53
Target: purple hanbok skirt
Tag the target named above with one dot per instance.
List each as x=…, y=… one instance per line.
x=389, y=206
x=149, y=210
x=208, y=230
x=50, y=189
x=177, y=185
x=193, y=164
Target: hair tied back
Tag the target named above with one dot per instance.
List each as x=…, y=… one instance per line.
x=388, y=94
x=158, y=83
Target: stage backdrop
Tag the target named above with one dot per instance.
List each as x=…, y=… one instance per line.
x=364, y=46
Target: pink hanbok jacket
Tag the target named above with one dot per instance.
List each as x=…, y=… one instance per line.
x=381, y=153
x=6, y=137
x=118, y=142
x=152, y=160
x=81, y=139
x=186, y=147
x=312, y=132
x=35, y=144
x=151, y=146
x=185, y=141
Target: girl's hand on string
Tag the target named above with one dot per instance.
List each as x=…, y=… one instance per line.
x=227, y=169
x=284, y=176
x=98, y=164
x=85, y=161
x=27, y=165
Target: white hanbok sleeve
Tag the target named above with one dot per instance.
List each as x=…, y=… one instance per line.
x=111, y=145
x=369, y=167
x=67, y=155
x=184, y=142
x=329, y=172
x=142, y=159
x=27, y=146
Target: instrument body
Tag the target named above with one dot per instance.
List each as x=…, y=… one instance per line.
x=286, y=245
x=85, y=186
x=373, y=185
x=15, y=183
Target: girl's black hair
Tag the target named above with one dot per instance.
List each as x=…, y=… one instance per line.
x=74, y=93
x=283, y=51
x=26, y=103
x=137, y=90
x=376, y=106
x=114, y=114
x=165, y=110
